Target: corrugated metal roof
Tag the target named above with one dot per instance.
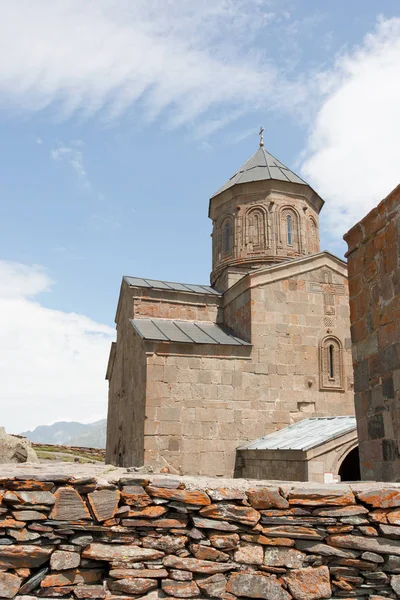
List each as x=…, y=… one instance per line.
x=199, y=332
x=168, y=285
x=261, y=167
x=304, y=435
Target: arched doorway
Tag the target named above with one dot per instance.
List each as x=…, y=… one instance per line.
x=350, y=468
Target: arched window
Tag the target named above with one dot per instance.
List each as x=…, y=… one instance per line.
x=312, y=242
x=289, y=229
x=331, y=364
x=256, y=228
x=227, y=238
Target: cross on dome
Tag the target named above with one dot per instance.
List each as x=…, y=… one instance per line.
x=261, y=136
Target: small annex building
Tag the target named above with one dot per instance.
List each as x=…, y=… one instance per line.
x=199, y=370
x=320, y=449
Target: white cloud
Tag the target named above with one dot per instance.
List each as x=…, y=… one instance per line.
x=74, y=157
x=52, y=363
x=177, y=58
x=353, y=154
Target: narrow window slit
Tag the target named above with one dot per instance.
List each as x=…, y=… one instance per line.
x=289, y=229
x=227, y=237
x=331, y=361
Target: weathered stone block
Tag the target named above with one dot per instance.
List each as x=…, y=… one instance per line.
x=180, y=589
x=186, y=496
x=12, y=557
x=104, y=503
x=72, y=577
x=133, y=586
x=197, y=566
x=320, y=497
x=69, y=506
x=214, y=586
x=267, y=498
x=251, y=554
x=309, y=584
x=120, y=552
x=231, y=512
x=90, y=591
x=9, y=585
x=256, y=586
x=61, y=561
x=167, y=543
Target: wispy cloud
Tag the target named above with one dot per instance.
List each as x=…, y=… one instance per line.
x=177, y=59
x=67, y=351
x=73, y=155
x=352, y=158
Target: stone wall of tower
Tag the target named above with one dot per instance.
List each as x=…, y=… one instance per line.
x=374, y=283
x=255, y=225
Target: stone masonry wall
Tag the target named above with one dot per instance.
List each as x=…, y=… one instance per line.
x=75, y=537
x=202, y=402
x=374, y=284
x=160, y=308
x=127, y=395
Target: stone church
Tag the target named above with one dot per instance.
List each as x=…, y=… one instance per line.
x=198, y=371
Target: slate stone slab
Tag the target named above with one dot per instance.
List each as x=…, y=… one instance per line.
x=34, y=582
x=256, y=586
x=104, y=503
x=69, y=506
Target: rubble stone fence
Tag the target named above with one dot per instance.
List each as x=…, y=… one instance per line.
x=132, y=537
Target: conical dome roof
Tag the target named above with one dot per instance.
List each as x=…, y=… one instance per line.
x=262, y=166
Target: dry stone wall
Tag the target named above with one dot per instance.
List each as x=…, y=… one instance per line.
x=74, y=537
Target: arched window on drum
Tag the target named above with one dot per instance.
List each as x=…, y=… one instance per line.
x=256, y=228
x=226, y=236
x=290, y=235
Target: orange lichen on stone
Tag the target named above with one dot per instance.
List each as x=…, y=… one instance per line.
x=148, y=512
x=29, y=484
x=309, y=584
x=321, y=497
x=186, y=496
x=134, y=495
x=231, y=512
x=72, y=577
x=23, y=556
x=267, y=498
x=381, y=498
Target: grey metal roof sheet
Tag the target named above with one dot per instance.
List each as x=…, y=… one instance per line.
x=261, y=167
x=197, y=332
x=169, y=285
x=304, y=435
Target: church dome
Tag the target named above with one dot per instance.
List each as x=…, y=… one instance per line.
x=264, y=214
x=262, y=166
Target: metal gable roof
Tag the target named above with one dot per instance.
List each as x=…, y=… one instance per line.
x=168, y=285
x=190, y=332
x=304, y=435
x=261, y=167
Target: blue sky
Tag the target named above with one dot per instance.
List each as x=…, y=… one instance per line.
x=119, y=120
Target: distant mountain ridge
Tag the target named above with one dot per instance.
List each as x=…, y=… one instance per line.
x=70, y=433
